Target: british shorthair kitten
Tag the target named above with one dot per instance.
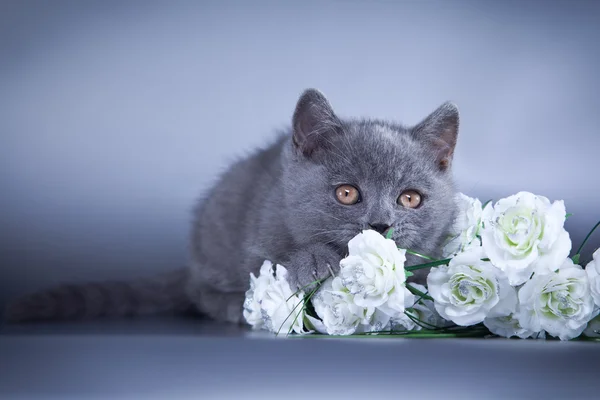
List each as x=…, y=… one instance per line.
x=297, y=203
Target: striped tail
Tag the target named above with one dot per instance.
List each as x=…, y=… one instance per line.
x=160, y=294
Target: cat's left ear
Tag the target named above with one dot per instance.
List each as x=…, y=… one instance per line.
x=440, y=131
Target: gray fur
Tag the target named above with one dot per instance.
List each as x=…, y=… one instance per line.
x=152, y=295
x=279, y=204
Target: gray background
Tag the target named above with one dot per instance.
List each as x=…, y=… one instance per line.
x=114, y=117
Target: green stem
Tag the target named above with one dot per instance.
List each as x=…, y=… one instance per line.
x=586, y=339
x=420, y=322
x=428, y=265
x=414, y=253
x=419, y=299
x=306, y=300
x=456, y=330
x=436, y=263
x=305, y=286
x=440, y=335
x=301, y=302
x=289, y=315
x=486, y=203
x=414, y=335
x=417, y=292
x=587, y=237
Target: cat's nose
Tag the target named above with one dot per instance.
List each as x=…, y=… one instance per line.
x=381, y=228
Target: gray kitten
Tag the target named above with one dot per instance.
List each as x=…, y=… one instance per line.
x=297, y=203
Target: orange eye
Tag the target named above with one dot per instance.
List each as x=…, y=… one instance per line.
x=347, y=194
x=410, y=199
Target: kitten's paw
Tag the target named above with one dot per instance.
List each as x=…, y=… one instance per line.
x=312, y=264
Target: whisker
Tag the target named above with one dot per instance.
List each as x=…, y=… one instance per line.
x=328, y=215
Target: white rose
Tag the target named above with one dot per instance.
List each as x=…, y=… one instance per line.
x=282, y=309
x=335, y=306
x=467, y=224
x=523, y=234
x=508, y=326
x=593, y=328
x=468, y=290
x=254, y=295
x=558, y=303
x=374, y=273
x=592, y=270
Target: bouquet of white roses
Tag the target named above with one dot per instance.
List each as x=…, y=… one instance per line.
x=506, y=272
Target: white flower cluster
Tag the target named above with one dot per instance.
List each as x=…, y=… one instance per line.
x=368, y=295
x=271, y=304
x=511, y=270
x=508, y=268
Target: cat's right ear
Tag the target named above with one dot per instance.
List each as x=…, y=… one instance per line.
x=440, y=131
x=313, y=123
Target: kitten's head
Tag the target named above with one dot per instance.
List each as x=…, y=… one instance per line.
x=344, y=176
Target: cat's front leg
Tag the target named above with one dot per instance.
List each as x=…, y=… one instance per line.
x=311, y=264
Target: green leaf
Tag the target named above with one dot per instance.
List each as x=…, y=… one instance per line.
x=408, y=274
x=389, y=233
x=575, y=258
x=414, y=253
x=567, y=216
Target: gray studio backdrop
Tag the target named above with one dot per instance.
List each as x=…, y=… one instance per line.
x=114, y=117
